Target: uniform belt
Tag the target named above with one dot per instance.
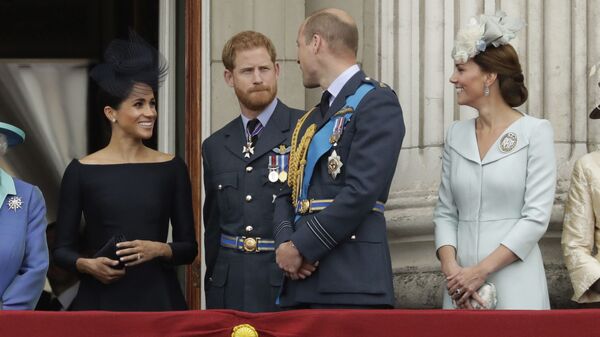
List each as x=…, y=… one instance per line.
x=316, y=205
x=247, y=244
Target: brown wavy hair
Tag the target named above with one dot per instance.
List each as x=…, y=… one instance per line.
x=244, y=41
x=504, y=61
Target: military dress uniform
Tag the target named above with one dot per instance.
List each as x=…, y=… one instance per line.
x=241, y=181
x=342, y=164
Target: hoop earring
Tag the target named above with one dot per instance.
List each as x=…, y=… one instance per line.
x=486, y=90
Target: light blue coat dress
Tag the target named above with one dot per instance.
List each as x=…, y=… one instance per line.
x=504, y=199
x=23, y=249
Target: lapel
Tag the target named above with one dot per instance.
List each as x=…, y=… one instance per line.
x=274, y=133
x=518, y=129
x=235, y=138
x=464, y=141
x=340, y=100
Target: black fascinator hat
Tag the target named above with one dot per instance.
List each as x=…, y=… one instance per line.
x=127, y=62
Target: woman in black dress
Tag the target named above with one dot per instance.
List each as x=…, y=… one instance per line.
x=127, y=189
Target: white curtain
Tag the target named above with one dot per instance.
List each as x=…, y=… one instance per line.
x=48, y=99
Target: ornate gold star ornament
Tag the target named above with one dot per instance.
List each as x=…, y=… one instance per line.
x=334, y=164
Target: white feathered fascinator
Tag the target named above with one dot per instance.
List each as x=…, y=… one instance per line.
x=482, y=31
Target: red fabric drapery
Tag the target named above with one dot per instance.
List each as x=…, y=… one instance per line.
x=303, y=323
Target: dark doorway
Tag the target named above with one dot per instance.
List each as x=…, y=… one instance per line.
x=75, y=29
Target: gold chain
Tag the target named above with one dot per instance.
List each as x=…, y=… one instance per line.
x=298, y=155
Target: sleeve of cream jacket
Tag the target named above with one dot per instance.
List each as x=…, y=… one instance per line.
x=578, y=236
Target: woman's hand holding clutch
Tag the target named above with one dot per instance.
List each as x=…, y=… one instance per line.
x=101, y=268
x=463, y=285
x=135, y=252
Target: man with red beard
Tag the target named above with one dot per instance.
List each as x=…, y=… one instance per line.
x=245, y=167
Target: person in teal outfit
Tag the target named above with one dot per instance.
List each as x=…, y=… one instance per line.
x=23, y=249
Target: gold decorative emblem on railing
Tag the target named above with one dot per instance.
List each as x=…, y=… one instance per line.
x=244, y=330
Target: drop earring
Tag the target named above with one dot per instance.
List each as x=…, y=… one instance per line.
x=486, y=90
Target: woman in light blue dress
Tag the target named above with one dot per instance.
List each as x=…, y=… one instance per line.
x=23, y=250
x=498, y=178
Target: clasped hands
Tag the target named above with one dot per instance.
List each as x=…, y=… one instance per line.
x=463, y=284
x=131, y=253
x=293, y=264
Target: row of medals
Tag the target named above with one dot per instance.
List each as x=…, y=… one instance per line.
x=274, y=176
x=334, y=161
x=277, y=172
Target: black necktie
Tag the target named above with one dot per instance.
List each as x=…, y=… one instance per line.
x=254, y=128
x=324, y=106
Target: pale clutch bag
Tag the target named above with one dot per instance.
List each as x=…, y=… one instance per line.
x=487, y=292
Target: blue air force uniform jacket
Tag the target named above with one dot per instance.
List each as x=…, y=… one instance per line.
x=347, y=238
x=239, y=202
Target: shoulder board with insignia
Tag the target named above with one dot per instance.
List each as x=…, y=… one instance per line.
x=381, y=84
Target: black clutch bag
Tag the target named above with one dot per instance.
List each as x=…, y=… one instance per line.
x=109, y=249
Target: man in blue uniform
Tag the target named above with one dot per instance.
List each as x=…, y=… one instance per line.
x=245, y=166
x=344, y=154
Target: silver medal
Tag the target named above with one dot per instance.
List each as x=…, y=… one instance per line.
x=248, y=150
x=273, y=176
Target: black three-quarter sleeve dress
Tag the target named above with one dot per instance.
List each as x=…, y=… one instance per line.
x=136, y=200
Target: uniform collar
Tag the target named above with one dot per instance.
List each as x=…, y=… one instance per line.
x=264, y=116
x=336, y=86
x=7, y=186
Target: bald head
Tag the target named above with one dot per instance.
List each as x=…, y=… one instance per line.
x=336, y=27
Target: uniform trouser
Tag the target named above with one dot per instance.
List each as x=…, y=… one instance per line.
x=244, y=281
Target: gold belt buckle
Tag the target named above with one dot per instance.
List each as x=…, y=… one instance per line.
x=304, y=206
x=250, y=244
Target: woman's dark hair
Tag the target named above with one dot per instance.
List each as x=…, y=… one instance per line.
x=504, y=61
x=107, y=99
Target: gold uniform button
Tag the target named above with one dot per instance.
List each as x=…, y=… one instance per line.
x=248, y=198
x=249, y=228
x=249, y=169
